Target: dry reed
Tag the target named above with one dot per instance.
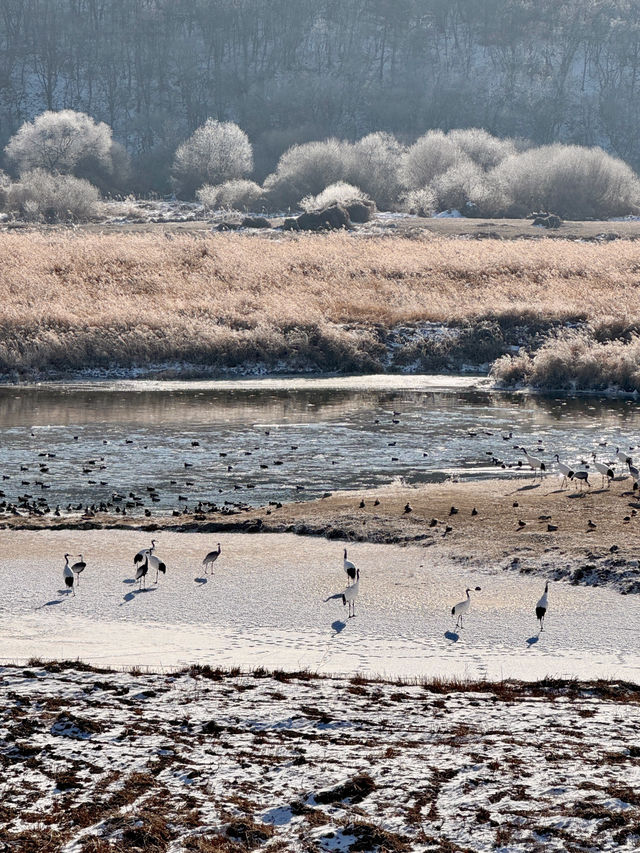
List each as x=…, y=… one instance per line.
x=75, y=301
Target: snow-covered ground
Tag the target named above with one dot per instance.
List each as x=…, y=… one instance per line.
x=273, y=602
x=206, y=761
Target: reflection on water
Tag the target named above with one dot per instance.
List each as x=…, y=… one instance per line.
x=262, y=440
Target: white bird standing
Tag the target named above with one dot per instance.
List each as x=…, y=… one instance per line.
x=79, y=567
x=534, y=463
x=623, y=457
x=141, y=573
x=68, y=575
x=542, y=605
x=157, y=564
x=349, y=567
x=567, y=473
x=462, y=607
x=351, y=593
x=605, y=470
x=210, y=559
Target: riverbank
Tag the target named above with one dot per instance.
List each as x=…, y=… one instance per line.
x=223, y=761
x=136, y=304
x=584, y=537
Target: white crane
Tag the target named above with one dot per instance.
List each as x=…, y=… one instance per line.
x=351, y=593
x=139, y=557
x=542, y=605
x=349, y=567
x=462, y=607
x=157, y=564
x=623, y=457
x=635, y=474
x=79, y=567
x=141, y=573
x=605, y=470
x=68, y=575
x=534, y=462
x=210, y=559
x=567, y=473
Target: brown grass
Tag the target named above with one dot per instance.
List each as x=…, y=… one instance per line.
x=70, y=301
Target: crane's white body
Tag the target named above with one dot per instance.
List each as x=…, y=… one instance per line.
x=605, y=470
x=534, y=463
x=567, y=473
x=157, y=564
x=210, y=559
x=349, y=567
x=144, y=552
x=68, y=575
x=351, y=593
x=542, y=605
x=623, y=457
x=462, y=607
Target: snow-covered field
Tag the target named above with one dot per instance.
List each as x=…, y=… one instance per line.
x=273, y=602
x=206, y=761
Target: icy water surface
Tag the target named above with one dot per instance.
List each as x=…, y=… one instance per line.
x=261, y=439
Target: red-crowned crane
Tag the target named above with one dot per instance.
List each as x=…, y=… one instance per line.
x=68, y=575
x=210, y=559
x=78, y=568
x=567, y=473
x=141, y=573
x=462, y=607
x=351, y=593
x=534, y=463
x=605, y=470
x=142, y=553
x=542, y=605
x=349, y=567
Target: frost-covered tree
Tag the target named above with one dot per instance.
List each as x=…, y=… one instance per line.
x=375, y=165
x=431, y=155
x=215, y=153
x=306, y=170
x=65, y=142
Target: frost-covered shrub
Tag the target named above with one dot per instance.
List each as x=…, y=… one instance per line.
x=375, y=168
x=306, y=170
x=458, y=187
x=485, y=150
x=5, y=183
x=572, y=181
x=419, y=202
x=215, y=153
x=67, y=142
x=431, y=155
x=39, y=195
x=338, y=193
x=233, y=195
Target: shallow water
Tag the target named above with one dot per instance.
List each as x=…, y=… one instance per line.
x=258, y=440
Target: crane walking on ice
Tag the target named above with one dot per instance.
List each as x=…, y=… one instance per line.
x=210, y=559
x=68, y=575
x=79, y=567
x=462, y=607
x=542, y=605
x=349, y=567
x=351, y=593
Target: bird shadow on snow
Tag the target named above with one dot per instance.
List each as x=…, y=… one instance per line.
x=529, y=487
x=129, y=580
x=129, y=596
x=338, y=626
x=452, y=635
x=533, y=640
x=332, y=597
x=201, y=581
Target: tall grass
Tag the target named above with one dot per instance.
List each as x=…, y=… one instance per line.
x=69, y=302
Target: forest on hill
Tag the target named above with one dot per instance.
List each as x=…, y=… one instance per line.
x=289, y=71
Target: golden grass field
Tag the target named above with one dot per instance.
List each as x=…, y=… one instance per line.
x=70, y=301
